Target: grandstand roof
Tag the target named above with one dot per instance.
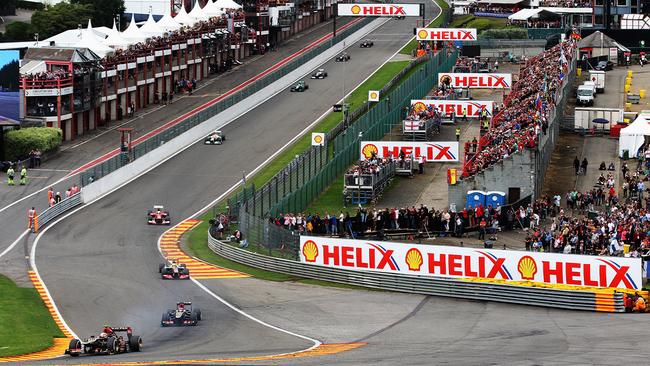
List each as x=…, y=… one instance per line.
x=212, y=9
x=167, y=22
x=150, y=28
x=90, y=40
x=505, y=2
x=115, y=38
x=132, y=32
x=182, y=17
x=599, y=39
x=230, y=4
x=197, y=13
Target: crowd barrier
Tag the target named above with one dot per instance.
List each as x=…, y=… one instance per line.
x=55, y=211
x=123, y=173
x=589, y=300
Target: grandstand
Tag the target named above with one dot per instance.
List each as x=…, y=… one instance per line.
x=365, y=182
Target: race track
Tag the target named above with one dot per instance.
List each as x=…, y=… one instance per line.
x=100, y=263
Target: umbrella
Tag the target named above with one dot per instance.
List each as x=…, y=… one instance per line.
x=601, y=121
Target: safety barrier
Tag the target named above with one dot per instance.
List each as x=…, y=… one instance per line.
x=590, y=300
x=100, y=170
x=53, y=212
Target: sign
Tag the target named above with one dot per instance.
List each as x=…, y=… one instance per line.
x=433, y=151
x=373, y=95
x=317, y=139
x=476, y=80
x=381, y=10
x=48, y=92
x=445, y=34
x=457, y=262
x=472, y=107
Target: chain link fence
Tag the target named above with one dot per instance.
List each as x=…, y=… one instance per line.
x=92, y=174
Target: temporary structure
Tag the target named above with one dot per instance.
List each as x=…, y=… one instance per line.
x=90, y=40
x=132, y=32
x=212, y=9
x=150, y=28
x=168, y=23
x=633, y=136
x=182, y=17
x=115, y=39
x=227, y=4
x=197, y=13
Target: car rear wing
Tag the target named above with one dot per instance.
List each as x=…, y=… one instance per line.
x=128, y=330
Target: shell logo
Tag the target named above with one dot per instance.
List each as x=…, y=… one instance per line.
x=422, y=34
x=356, y=9
x=318, y=139
x=368, y=150
x=419, y=107
x=527, y=267
x=310, y=251
x=446, y=79
x=374, y=95
x=414, y=259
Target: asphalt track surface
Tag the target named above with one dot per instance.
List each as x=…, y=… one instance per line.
x=100, y=263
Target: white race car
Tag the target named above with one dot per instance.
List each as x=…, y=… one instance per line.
x=215, y=138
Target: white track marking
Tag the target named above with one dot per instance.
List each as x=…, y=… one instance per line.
x=9, y=248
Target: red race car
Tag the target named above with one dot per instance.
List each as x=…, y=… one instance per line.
x=158, y=216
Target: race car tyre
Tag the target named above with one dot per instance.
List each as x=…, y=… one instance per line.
x=194, y=318
x=74, y=344
x=185, y=271
x=160, y=267
x=135, y=343
x=198, y=313
x=112, y=346
x=165, y=318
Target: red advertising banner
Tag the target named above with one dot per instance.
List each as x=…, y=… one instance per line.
x=473, y=107
x=433, y=151
x=476, y=80
x=445, y=34
x=457, y=262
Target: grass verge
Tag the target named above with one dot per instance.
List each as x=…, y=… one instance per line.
x=481, y=24
x=197, y=246
x=25, y=323
x=413, y=44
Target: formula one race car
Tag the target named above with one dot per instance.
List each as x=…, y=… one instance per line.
x=183, y=315
x=158, y=216
x=344, y=57
x=172, y=270
x=107, y=343
x=299, y=87
x=366, y=44
x=215, y=138
x=319, y=74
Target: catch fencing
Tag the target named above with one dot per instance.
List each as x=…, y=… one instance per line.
x=100, y=170
x=590, y=300
x=306, y=176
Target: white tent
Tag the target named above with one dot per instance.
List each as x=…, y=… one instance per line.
x=182, y=17
x=132, y=32
x=212, y=9
x=229, y=4
x=633, y=136
x=115, y=39
x=90, y=40
x=150, y=28
x=168, y=23
x=197, y=13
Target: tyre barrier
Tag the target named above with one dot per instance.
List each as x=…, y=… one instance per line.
x=603, y=300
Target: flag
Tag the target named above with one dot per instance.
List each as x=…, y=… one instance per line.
x=544, y=86
x=538, y=102
x=410, y=126
x=562, y=57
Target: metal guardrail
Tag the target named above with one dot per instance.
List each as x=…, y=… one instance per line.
x=53, y=212
x=433, y=286
x=120, y=160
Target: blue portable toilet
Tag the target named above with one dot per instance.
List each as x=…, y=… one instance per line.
x=495, y=198
x=474, y=199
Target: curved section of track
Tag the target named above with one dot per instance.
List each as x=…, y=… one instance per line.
x=100, y=263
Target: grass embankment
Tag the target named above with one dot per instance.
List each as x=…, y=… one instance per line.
x=413, y=44
x=25, y=323
x=481, y=24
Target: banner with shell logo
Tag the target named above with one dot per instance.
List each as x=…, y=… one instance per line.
x=373, y=95
x=317, y=139
x=458, y=262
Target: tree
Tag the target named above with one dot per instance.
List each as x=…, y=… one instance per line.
x=104, y=11
x=60, y=17
x=18, y=31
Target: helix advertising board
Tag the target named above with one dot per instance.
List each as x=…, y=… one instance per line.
x=445, y=34
x=435, y=151
x=381, y=10
x=473, y=107
x=457, y=262
x=476, y=80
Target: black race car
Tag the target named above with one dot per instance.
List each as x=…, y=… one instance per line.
x=344, y=57
x=299, y=87
x=107, y=343
x=183, y=315
x=173, y=270
x=366, y=44
x=158, y=216
x=319, y=74
x=215, y=138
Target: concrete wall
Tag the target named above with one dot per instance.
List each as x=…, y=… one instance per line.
x=176, y=145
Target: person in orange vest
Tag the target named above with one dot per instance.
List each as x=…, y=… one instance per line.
x=640, y=305
x=50, y=195
x=30, y=215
